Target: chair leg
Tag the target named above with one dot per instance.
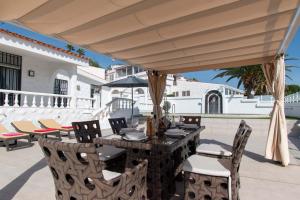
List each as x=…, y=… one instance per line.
x=6, y=144
x=59, y=136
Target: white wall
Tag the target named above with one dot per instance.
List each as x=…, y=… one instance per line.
x=45, y=73
x=239, y=105
x=191, y=105
x=64, y=116
x=292, y=109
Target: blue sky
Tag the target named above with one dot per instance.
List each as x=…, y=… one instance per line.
x=205, y=76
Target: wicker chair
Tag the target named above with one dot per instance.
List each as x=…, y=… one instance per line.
x=191, y=120
x=117, y=124
x=113, y=158
x=214, y=150
x=210, y=178
x=79, y=174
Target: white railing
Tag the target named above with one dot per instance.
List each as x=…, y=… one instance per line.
x=292, y=98
x=119, y=104
x=85, y=103
x=13, y=98
x=115, y=104
x=145, y=107
x=264, y=98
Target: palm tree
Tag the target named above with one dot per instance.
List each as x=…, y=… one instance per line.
x=252, y=77
x=94, y=63
x=81, y=52
x=70, y=47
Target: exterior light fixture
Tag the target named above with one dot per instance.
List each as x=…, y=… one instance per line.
x=31, y=73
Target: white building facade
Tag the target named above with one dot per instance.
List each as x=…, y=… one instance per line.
x=190, y=96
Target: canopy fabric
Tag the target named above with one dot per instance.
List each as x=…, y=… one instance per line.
x=165, y=35
x=157, y=84
x=277, y=143
x=130, y=82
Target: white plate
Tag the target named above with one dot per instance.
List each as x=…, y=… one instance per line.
x=135, y=135
x=136, y=139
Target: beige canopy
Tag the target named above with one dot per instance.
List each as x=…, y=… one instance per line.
x=173, y=36
x=164, y=35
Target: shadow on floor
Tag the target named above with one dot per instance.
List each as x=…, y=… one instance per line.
x=249, y=154
x=11, y=189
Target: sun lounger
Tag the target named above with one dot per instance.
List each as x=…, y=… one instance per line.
x=7, y=136
x=51, y=123
x=29, y=128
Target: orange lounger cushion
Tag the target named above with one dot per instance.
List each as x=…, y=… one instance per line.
x=45, y=130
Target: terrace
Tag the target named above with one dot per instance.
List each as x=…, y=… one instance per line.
x=25, y=174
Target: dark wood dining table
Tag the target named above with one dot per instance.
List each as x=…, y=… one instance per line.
x=165, y=157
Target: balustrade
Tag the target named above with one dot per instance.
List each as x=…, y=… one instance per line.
x=292, y=98
x=13, y=98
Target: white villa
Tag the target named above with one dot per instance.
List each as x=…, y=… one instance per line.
x=37, y=77
x=191, y=97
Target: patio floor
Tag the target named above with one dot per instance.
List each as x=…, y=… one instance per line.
x=24, y=173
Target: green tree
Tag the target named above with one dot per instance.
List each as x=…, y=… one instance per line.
x=70, y=47
x=167, y=106
x=94, y=63
x=291, y=89
x=252, y=78
x=81, y=52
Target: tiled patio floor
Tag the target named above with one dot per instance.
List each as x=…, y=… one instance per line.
x=24, y=174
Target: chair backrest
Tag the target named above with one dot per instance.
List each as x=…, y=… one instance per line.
x=191, y=120
x=24, y=126
x=49, y=123
x=117, y=124
x=86, y=131
x=238, y=133
x=3, y=129
x=77, y=173
x=239, y=145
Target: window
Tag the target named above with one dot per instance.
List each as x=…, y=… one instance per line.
x=10, y=75
x=176, y=94
x=186, y=93
x=61, y=87
x=135, y=70
x=226, y=91
x=129, y=70
x=139, y=91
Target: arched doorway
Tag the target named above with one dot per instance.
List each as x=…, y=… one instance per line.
x=213, y=102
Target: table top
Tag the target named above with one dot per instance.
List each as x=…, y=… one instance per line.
x=164, y=143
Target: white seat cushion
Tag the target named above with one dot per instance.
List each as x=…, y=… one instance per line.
x=109, y=175
x=107, y=152
x=213, y=149
x=206, y=166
